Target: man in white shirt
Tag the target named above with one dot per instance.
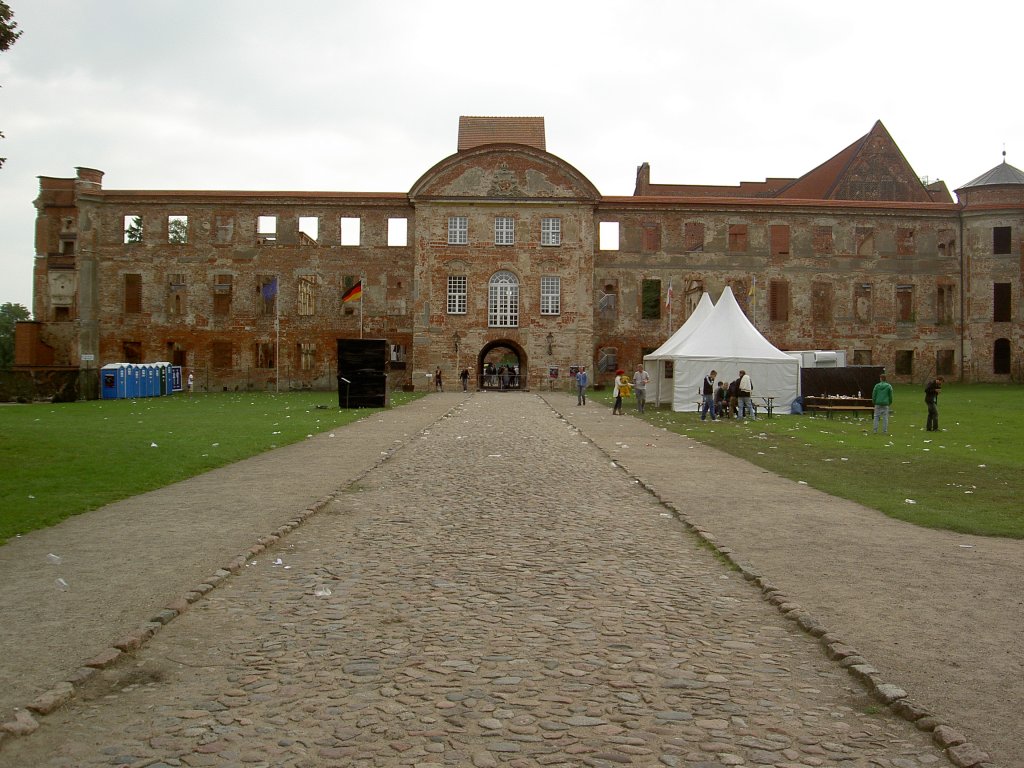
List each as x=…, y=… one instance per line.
x=640, y=380
x=746, y=405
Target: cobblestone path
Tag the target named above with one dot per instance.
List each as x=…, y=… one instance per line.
x=499, y=593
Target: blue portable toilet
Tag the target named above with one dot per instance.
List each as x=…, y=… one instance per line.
x=134, y=380
x=108, y=381
x=122, y=380
x=152, y=381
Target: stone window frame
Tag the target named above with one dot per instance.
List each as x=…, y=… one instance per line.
x=551, y=231
x=504, y=230
x=503, y=300
x=458, y=230
x=550, y=295
x=458, y=293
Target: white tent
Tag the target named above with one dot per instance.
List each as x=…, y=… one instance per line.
x=660, y=387
x=728, y=342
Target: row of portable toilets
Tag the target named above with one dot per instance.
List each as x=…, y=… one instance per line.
x=131, y=380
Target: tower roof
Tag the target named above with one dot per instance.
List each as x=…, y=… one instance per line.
x=1002, y=174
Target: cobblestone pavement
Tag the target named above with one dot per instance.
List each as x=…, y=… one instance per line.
x=498, y=593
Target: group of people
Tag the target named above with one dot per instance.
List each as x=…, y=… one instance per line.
x=882, y=397
x=625, y=386
x=725, y=401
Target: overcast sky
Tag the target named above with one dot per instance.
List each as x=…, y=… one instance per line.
x=366, y=96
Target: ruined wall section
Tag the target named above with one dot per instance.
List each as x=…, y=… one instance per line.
x=880, y=283
x=204, y=280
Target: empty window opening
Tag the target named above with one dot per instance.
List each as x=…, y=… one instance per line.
x=904, y=362
x=398, y=232
x=309, y=230
x=862, y=303
x=131, y=351
x=1001, y=303
x=266, y=230
x=650, y=299
x=1001, y=240
x=177, y=229
x=862, y=357
x=944, y=362
x=263, y=354
x=821, y=303
x=607, y=360
x=307, y=295
x=222, y=295
x=225, y=228
x=266, y=295
x=133, y=228
x=865, y=241
x=350, y=227
x=608, y=236
x=943, y=304
x=905, y=241
x=307, y=356
x=1001, y=360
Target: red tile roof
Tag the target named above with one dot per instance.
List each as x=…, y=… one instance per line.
x=477, y=131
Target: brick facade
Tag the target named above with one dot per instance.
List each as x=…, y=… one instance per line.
x=244, y=288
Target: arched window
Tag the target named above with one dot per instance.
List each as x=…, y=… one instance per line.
x=503, y=301
x=1001, y=356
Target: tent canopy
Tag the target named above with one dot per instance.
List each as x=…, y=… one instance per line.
x=728, y=342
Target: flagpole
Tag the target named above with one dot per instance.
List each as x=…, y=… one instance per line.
x=277, y=343
x=362, y=290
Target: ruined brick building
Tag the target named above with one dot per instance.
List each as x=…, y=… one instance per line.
x=505, y=253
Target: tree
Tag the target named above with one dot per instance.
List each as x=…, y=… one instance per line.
x=9, y=315
x=9, y=32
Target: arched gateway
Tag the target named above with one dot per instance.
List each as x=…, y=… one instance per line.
x=501, y=366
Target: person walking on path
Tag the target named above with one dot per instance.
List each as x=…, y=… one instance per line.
x=621, y=388
x=931, y=399
x=191, y=381
x=581, y=386
x=464, y=375
x=746, y=405
x=640, y=381
x=708, y=396
x=881, y=397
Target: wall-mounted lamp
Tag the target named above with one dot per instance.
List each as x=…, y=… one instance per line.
x=456, y=339
x=551, y=343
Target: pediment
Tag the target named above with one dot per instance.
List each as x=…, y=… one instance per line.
x=504, y=172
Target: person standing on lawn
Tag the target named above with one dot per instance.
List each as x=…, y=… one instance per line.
x=881, y=397
x=931, y=399
x=708, y=396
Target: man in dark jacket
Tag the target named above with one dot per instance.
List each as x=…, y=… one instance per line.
x=931, y=399
x=708, y=396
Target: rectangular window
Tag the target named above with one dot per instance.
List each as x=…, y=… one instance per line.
x=944, y=362
x=693, y=236
x=904, y=362
x=865, y=241
x=221, y=353
x=1001, y=303
x=307, y=356
x=222, y=295
x=607, y=360
x=131, y=351
x=823, y=242
x=398, y=232
x=905, y=304
x=225, y=229
x=607, y=301
x=945, y=243
x=309, y=230
x=862, y=357
x=651, y=234
x=550, y=231
x=821, y=303
x=457, y=292
x=266, y=230
x=650, y=300
x=943, y=304
x=176, y=292
x=862, y=303
x=778, y=235
x=132, y=294
x=307, y=295
x=738, y=238
x=1001, y=240
x=778, y=301
x=905, y=241
x=263, y=354
x=177, y=229
x=350, y=230
x=133, y=228
x=504, y=230
x=458, y=230
x=550, y=295
x=608, y=235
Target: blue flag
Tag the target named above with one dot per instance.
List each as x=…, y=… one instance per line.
x=269, y=290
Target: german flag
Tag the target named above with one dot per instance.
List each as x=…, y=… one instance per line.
x=355, y=292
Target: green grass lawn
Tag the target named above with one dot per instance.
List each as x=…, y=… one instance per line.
x=968, y=477
x=63, y=459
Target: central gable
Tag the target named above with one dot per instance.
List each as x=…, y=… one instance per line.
x=506, y=171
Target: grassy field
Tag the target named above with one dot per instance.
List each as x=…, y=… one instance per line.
x=63, y=459
x=968, y=477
